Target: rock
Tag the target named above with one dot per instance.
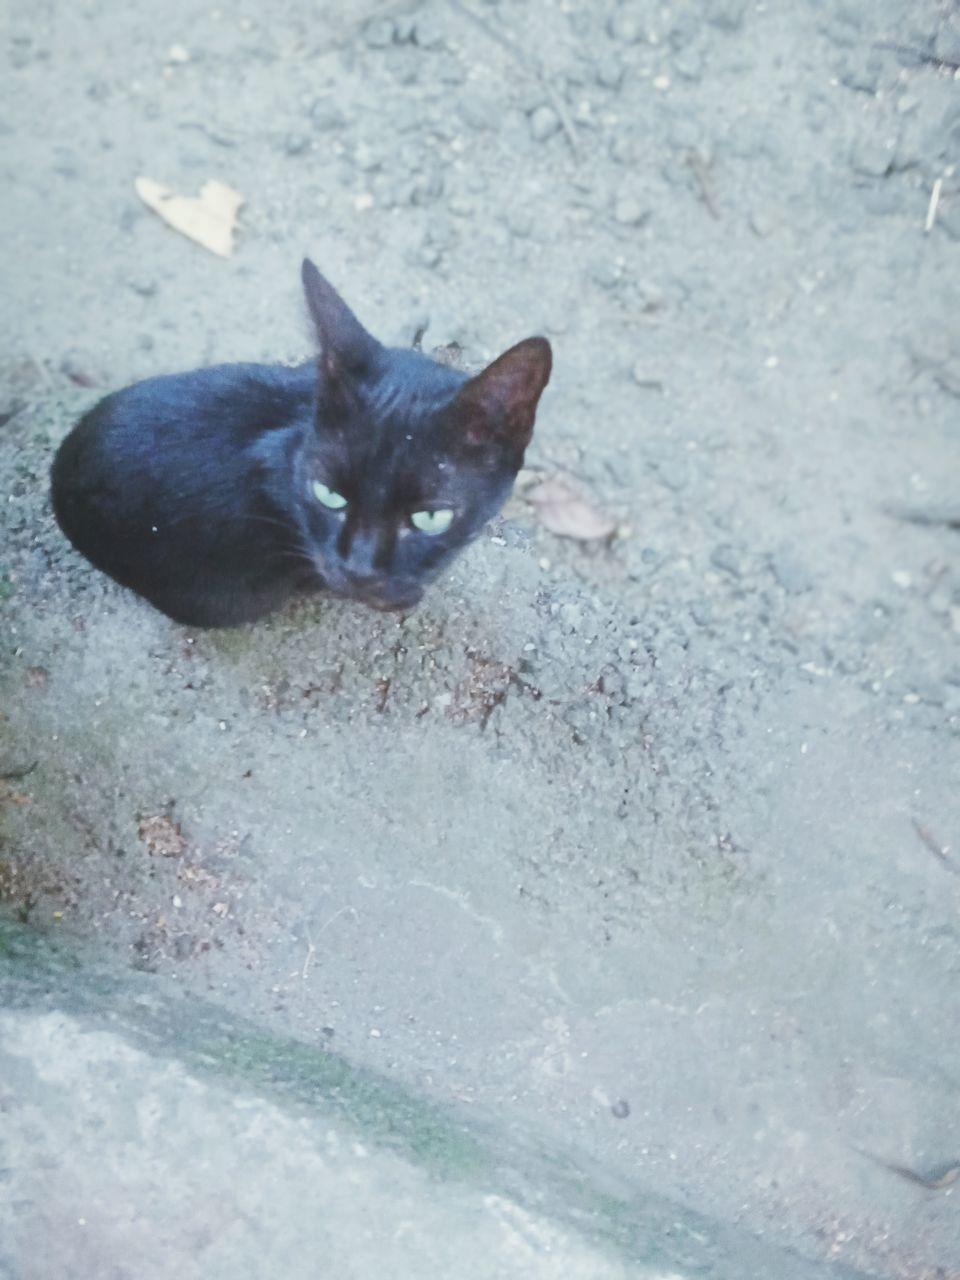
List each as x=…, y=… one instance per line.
x=688, y=64
x=946, y=44
x=629, y=212
x=725, y=14
x=861, y=71
x=623, y=149
x=647, y=295
x=792, y=574
x=701, y=613
x=609, y=72
x=764, y=222
x=379, y=33
x=644, y=378
x=449, y=70
x=80, y=367
x=145, y=286
x=295, y=144
x=947, y=377
x=404, y=63
x=325, y=115
x=477, y=111
x=627, y=26
x=843, y=33
x=426, y=187
x=544, y=123
x=428, y=31
x=521, y=223
x=872, y=157
x=728, y=558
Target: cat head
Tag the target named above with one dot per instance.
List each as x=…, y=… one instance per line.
x=407, y=459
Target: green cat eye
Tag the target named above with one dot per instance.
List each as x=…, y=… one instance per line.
x=432, y=521
x=335, y=501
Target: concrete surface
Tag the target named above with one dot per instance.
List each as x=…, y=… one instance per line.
x=147, y=1136
x=634, y=850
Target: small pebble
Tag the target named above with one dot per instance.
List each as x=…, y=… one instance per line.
x=792, y=574
x=629, y=212
x=763, y=222
x=726, y=14
x=428, y=31
x=326, y=115
x=379, y=33
x=544, y=123
x=643, y=378
x=861, y=72
x=626, y=26
x=294, y=144
x=79, y=367
x=477, y=112
x=609, y=73
x=727, y=558
x=946, y=44
x=688, y=64
x=623, y=149
x=872, y=158
x=902, y=579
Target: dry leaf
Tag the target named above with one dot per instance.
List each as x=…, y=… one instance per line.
x=209, y=218
x=162, y=836
x=565, y=512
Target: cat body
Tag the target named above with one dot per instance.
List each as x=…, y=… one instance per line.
x=219, y=494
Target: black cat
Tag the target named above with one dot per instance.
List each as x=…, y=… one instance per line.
x=220, y=493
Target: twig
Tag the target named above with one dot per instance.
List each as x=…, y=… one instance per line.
x=946, y=516
x=311, y=952
x=940, y=851
x=531, y=64
x=702, y=175
x=15, y=775
x=943, y=64
x=311, y=945
x=939, y=1183
x=933, y=206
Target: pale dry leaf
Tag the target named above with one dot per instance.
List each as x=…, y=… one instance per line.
x=208, y=219
x=566, y=512
x=161, y=835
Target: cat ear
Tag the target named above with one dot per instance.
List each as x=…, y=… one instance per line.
x=345, y=345
x=498, y=406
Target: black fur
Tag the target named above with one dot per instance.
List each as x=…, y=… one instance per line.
x=197, y=490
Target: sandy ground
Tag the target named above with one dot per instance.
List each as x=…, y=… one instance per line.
x=649, y=850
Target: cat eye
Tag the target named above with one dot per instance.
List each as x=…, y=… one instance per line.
x=432, y=522
x=329, y=498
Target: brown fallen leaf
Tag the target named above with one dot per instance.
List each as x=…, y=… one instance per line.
x=564, y=511
x=209, y=219
x=162, y=836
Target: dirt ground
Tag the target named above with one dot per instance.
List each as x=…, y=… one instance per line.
x=651, y=848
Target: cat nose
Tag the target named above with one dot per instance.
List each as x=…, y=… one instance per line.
x=362, y=553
